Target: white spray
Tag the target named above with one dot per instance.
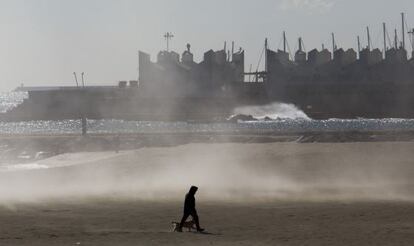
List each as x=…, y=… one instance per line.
x=273, y=111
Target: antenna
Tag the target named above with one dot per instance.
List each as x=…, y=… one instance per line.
x=168, y=36
x=300, y=44
x=76, y=79
x=359, y=45
x=284, y=41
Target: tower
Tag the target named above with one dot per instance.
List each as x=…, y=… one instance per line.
x=168, y=36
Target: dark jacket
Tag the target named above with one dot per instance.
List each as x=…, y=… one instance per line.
x=189, y=203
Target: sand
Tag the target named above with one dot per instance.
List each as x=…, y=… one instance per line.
x=106, y=222
x=250, y=194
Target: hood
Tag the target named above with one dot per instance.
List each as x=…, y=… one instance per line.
x=193, y=190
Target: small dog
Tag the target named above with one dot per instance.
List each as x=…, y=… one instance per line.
x=188, y=224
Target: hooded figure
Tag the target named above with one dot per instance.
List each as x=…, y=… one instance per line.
x=189, y=209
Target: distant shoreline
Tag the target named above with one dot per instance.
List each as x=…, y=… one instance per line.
x=267, y=135
x=23, y=148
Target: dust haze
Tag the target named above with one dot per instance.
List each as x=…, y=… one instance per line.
x=224, y=172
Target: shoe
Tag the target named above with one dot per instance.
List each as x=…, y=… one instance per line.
x=200, y=229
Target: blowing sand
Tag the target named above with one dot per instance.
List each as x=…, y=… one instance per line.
x=250, y=194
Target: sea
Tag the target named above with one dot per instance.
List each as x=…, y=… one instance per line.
x=284, y=118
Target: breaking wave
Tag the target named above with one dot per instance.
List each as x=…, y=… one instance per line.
x=273, y=111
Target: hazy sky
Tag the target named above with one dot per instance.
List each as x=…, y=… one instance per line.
x=44, y=41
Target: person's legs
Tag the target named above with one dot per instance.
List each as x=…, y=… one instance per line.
x=197, y=222
x=185, y=216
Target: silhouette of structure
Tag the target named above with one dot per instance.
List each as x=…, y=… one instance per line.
x=370, y=83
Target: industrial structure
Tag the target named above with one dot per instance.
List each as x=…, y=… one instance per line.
x=369, y=83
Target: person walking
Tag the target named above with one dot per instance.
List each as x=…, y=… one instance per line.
x=189, y=209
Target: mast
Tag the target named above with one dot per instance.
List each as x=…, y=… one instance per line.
x=250, y=72
x=411, y=32
x=76, y=79
x=395, y=39
x=284, y=41
x=300, y=44
x=265, y=50
x=385, y=37
x=333, y=45
x=369, y=39
x=83, y=80
x=359, y=45
x=403, y=30
x=226, y=51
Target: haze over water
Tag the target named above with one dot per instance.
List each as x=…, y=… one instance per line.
x=285, y=118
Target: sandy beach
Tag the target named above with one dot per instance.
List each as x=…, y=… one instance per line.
x=281, y=193
x=108, y=222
